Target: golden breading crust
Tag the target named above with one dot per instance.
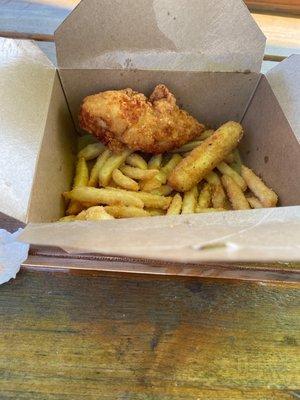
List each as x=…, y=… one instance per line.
x=124, y=118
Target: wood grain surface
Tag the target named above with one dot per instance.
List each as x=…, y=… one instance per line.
x=66, y=336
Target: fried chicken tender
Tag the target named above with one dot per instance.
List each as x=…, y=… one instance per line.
x=125, y=118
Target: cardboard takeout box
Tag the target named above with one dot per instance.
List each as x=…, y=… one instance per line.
x=209, y=54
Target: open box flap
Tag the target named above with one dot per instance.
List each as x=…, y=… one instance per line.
x=206, y=35
x=256, y=235
x=285, y=82
x=26, y=79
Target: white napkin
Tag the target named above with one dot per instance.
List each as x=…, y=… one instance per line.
x=12, y=254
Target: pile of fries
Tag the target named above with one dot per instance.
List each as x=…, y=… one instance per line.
x=205, y=175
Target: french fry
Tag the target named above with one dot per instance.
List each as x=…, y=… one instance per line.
x=208, y=210
x=237, y=162
x=68, y=218
x=190, y=201
x=227, y=170
x=204, y=199
x=124, y=181
x=218, y=196
x=175, y=206
x=113, y=162
x=150, y=200
x=101, y=160
x=266, y=196
x=91, y=151
x=204, y=158
x=161, y=178
x=155, y=212
x=96, y=213
x=105, y=196
x=254, y=202
x=235, y=194
x=164, y=190
x=229, y=159
x=206, y=134
x=85, y=140
x=188, y=147
x=137, y=173
x=126, y=212
x=81, y=179
x=155, y=162
x=135, y=160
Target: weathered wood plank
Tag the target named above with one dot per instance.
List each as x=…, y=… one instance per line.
x=89, y=337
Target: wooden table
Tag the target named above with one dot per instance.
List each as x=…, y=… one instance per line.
x=75, y=334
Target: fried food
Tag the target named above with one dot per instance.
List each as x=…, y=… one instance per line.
x=137, y=173
x=204, y=199
x=204, y=158
x=265, y=195
x=254, y=202
x=155, y=162
x=113, y=162
x=225, y=169
x=125, y=118
x=104, y=196
x=235, y=194
x=81, y=179
x=124, y=181
x=135, y=160
x=175, y=206
x=190, y=201
x=91, y=151
x=126, y=212
x=101, y=160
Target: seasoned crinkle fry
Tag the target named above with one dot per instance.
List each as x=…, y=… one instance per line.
x=226, y=170
x=101, y=160
x=155, y=162
x=84, y=141
x=235, y=194
x=205, y=157
x=96, y=213
x=162, y=176
x=104, y=196
x=204, y=199
x=254, y=202
x=112, y=163
x=266, y=196
x=229, y=159
x=188, y=146
x=91, y=151
x=218, y=196
x=68, y=218
x=190, y=201
x=164, y=190
x=150, y=200
x=124, y=181
x=175, y=206
x=126, y=212
x=135, y=160
x=155, y=212
x=206, y=134
x=81, y=179
x=137, y=173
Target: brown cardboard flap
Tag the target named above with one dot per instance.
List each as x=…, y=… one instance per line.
x=26, y=79
x=285, y=82
x=255, y=235
x=269, y=145
x=206, y=35
x=212, y=97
